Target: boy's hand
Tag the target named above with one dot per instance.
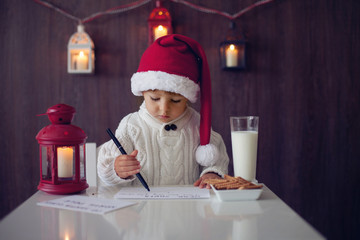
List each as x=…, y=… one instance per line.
x=127, y=165
x=199, y=183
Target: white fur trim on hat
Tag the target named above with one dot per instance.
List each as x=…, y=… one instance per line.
x=158, y=80
x=207, y=155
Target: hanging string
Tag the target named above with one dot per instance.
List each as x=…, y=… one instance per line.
x=130, y=6
x=114, y=10
x=225, y=14
x=49, y=5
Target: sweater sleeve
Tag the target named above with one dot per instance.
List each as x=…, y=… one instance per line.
x=109, y=152
x=221, y=165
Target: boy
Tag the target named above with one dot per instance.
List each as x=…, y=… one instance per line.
x=168, y=140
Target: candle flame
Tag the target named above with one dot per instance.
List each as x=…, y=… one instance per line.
x=81, y=54
x=160, y=31
x=67, y=237
x=232, y=47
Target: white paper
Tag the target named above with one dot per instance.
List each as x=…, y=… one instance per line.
x=86, y=204
x=174, y=192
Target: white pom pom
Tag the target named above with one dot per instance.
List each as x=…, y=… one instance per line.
x=207, y=155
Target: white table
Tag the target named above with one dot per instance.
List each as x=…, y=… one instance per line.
x=267, y=218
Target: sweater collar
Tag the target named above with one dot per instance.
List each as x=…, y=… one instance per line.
x=179, y=122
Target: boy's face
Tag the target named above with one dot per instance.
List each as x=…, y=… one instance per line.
x=164, y=106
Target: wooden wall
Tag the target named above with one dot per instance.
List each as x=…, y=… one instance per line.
x=303, y=81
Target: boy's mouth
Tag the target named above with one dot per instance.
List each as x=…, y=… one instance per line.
x=164, y=118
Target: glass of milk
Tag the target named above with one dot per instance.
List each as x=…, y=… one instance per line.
x=244, y=140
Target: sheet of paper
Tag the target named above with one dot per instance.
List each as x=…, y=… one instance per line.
x=174, y=192
x=86, y=204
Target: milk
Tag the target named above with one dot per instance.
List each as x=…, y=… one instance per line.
x=244, y=148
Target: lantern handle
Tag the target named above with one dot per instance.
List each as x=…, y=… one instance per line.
x=232, y=25
x=80, y=27
x=158, y=3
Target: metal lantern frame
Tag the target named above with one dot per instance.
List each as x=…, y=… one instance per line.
x=62, y=153
x=159, y=16
x=81, y=55
x=233, y=54
x=233, y=51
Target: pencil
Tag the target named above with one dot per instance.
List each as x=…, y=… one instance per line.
x=122, y=150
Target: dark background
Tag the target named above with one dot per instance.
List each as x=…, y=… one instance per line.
x=303, y=81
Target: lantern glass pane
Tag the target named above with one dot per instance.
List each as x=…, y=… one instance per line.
x=241, y=55
x=79, y=59
x=82, y=161
x=232, y=55
x=159, y=31
x=66, y=162
x=46, y=156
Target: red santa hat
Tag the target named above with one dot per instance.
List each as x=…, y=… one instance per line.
x=176, y=63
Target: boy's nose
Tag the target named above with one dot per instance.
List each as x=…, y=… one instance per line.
x=164, y=106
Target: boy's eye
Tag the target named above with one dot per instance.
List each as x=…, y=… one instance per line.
x=155, y=99
x=175, y=101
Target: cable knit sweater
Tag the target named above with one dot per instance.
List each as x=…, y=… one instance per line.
x=166, y=157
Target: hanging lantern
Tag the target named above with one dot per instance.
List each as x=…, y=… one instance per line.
x=233, y=51
x=62, y=153
x=159, y=22
x=81, y=57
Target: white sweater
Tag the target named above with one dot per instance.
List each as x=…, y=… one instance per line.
x=166, y=157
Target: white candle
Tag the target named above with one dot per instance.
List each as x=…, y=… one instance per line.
x=231, y=56
x=81, y=61
x=65, y=162
x=160, y=31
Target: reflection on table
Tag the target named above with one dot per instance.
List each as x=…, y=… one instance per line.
x=266, y=218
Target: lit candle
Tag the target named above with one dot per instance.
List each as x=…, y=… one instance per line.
x=82, y=61
x=65, y=162
x=160, y=31
x=231, y=56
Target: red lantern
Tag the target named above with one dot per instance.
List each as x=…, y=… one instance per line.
x=159, y=23
x=62, y=153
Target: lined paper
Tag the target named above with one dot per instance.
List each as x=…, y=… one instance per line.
x=86, y=204
x=174, y=192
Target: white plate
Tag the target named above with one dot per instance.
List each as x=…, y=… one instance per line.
x=237, y=194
